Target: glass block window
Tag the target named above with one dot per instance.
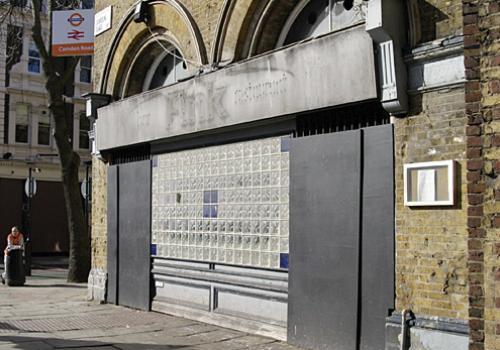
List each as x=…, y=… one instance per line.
x=227, y=204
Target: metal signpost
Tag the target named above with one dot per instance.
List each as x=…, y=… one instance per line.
x=30, y=190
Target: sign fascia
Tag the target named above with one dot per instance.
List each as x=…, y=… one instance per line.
x=340, y=70
x=102, y=20
x=72, y=33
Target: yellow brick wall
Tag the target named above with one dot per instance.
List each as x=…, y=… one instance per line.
x=482, y=63
x=440, y=18
x=205, y=13
x=99, y=219
x=431, y=243
x=103, y=41
x=489, y=24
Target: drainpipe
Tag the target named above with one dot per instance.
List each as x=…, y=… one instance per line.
x=405, y=336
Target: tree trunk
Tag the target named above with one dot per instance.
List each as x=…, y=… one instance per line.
x=79, y=242
x=57, y=76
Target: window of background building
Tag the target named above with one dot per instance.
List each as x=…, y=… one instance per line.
x=33, y=59
x=44, y=128
x=84, y=131
x=85, y=69
x=22, y=124
x=43, y=5
x=70, y=112
x=87, y=4
x=20, y=3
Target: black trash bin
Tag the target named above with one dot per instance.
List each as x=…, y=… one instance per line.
x=14, y=268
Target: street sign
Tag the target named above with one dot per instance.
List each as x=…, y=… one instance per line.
x=72, y=33
x=102, y=21
x=30, y=187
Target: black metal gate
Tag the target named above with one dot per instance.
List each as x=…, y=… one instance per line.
x=341, y=279
x=129, y=234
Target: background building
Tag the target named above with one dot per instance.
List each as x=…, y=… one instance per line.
x=26, y=135
x=270, y=139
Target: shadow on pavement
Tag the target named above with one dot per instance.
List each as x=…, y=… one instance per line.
x=31, y=343
x=4, y=326
x=54, y=286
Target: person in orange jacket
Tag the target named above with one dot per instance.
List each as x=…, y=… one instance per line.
x=15, y=240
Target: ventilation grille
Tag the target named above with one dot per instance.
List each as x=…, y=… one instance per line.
x=343, y=119
x=130, y=155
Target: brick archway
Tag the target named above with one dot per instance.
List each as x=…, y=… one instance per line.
x=249, y=27
x=167, y=16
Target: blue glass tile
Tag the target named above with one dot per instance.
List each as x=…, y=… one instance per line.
x=206, y=196
x=214, y=196
x=284, y=260
x=206, y=211
x=153, y=249
x=213, y=211
x=285, y=144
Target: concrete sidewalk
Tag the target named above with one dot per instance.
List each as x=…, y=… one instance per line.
x=48, y=313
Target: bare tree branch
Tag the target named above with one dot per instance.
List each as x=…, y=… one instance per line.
x=59, y=75
x=36, y=33
x=6, y=13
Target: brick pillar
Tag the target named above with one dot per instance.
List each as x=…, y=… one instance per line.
x=489, y=28
x=482, y=96
x=475, y=179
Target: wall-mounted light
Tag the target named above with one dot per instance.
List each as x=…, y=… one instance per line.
x=95, y=101
x=141, y=12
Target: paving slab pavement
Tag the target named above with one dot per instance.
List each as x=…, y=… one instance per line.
x=49, y=313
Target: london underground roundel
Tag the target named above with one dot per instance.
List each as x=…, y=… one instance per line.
x=76, y=19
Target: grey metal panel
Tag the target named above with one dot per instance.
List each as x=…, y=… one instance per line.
x=377, y=257
x=112, y=212
x=186, y=294
x=324, y=240
x=254, y=305
x=134, y=268
x=267, y=86
x=228, y=275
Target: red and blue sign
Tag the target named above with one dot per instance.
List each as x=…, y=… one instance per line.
x=76, y=19
x=72, y=33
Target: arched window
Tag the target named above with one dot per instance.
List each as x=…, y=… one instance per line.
x=157, y=64
x=311, y=18
x=167, y=69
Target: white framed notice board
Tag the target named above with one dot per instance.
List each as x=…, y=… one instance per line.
x=429, y=183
